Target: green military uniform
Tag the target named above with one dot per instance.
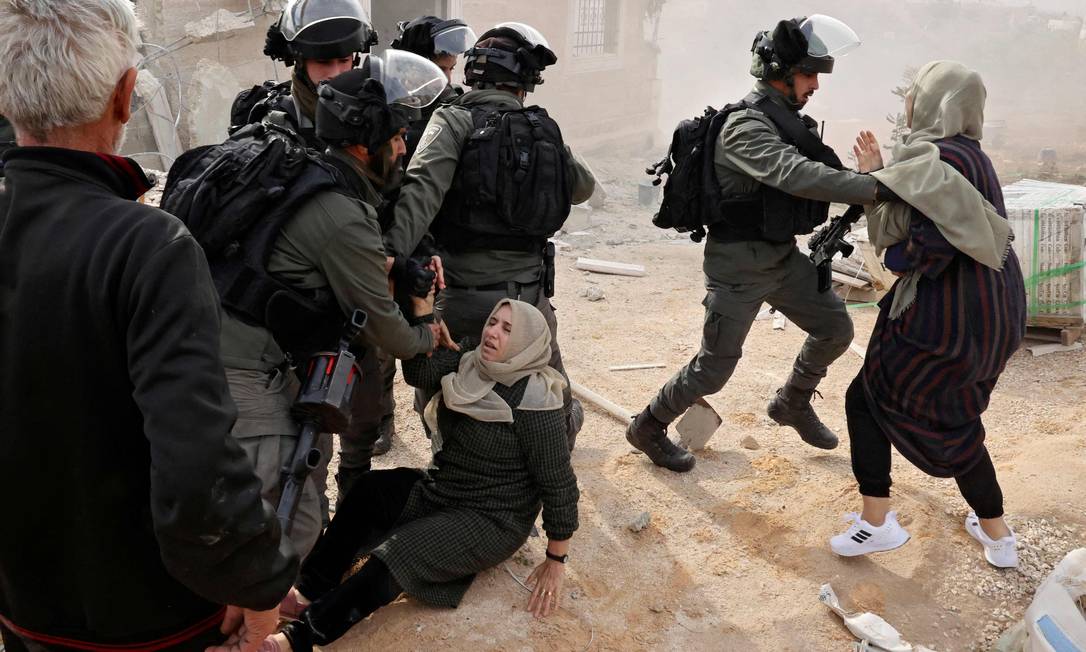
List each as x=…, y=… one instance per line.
x=477, y=279
x=742, y=273
x=333, y=243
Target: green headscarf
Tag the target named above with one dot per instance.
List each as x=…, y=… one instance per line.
x=948, y=100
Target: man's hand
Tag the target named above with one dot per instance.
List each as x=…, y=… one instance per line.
x=868, y=153
x=246, y=629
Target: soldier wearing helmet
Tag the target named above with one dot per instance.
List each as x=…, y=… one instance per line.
x=491, y=215
x=777, y=180
x=318, y=38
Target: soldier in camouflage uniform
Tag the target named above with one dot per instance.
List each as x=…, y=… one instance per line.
x=777, y=180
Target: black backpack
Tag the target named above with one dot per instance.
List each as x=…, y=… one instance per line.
x=691, y=193
x=244, y=111
x=513, y=188
x=235, y=197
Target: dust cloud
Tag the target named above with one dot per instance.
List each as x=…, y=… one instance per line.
x=1030, y=55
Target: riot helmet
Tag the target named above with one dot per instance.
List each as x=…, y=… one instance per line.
x=430, y=36
x=510, y=54
x=370, y=104
x=320, y=29
x=807, y=45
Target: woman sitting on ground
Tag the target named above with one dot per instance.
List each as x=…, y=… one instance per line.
x=948, y=326
x=501, y=454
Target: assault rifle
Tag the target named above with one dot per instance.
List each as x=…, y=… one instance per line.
x=829, y=240
x=323, y=405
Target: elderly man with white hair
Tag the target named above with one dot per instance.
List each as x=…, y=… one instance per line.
x=131, y=516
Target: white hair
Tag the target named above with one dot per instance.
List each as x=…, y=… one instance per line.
x=62, y=60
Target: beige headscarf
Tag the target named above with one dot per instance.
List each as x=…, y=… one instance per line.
x=470, y=390
x=948, y=100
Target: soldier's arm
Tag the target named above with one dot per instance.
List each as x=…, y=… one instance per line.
x=584, y=181
x=429, y=177
x=353, y=261
x=754, y=148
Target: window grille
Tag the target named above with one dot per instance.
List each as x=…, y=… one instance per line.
x=594, y=30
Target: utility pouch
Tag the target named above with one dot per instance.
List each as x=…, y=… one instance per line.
x=548, y=270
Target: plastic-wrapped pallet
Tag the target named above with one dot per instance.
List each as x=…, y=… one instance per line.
x=1049, y=239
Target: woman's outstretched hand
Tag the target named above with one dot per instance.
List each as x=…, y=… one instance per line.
x=546, y=583
x=868, y=153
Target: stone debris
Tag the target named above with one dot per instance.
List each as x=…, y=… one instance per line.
x=750, y=443
x=641, y=522
x=593, y=293
x=220, y=24
x=1042, y=543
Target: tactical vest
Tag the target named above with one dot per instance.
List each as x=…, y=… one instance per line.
x=771, y=214
x=513, y=187
x=235, y=198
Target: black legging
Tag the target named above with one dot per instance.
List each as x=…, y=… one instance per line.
x=361, y=523
x=870, y=450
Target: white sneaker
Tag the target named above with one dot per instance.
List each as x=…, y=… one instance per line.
x=1001, y=553
x=862, y=538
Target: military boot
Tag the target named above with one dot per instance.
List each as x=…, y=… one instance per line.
x=388, y=431
x=649, y=435
x=792, y=407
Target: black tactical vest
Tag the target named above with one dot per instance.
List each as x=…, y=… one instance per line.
x=770, y=214
x=513, y=187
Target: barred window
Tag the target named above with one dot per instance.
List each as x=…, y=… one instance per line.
x=596, y=29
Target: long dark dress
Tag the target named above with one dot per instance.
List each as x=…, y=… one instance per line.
x=487, y=484
x=929, y=374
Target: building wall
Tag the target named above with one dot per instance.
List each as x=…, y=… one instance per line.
x=599, y=100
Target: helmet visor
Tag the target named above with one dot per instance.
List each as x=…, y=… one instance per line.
x=828, y=37
x=455, y=39
x=409, y=80
x=301, y=14
x=528, y=33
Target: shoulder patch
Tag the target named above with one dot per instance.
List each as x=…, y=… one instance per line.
x=428, y=137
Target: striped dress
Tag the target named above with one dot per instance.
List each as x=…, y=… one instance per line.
x=929, y=375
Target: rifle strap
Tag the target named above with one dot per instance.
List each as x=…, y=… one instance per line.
x=798, y=132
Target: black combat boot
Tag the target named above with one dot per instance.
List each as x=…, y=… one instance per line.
x=649, y=435
x=792, y=407
x=388, y=431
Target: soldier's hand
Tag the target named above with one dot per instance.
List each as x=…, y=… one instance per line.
x=442, y=337
x=868, y=152
x=246, y=629
x=437, y=268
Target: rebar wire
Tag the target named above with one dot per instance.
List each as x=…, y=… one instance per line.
x=167, y=156
x=177, y=77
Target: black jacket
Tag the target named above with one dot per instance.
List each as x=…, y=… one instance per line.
x=129, y=512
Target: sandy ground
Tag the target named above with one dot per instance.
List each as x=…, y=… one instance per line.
x=737, y=549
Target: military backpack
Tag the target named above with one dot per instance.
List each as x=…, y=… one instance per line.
x=235, y=198
x=513, y=187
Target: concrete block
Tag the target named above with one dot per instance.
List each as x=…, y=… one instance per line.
x=698, y=425
x=580, y=218
x=210, y=95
